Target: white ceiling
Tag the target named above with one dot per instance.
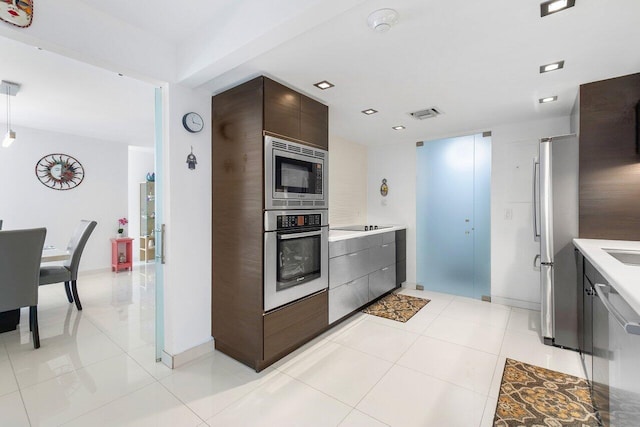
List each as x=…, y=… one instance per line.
x=475, y=60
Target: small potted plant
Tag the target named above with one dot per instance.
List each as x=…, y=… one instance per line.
x=121, y=223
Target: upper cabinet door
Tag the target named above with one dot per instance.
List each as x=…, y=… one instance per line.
x=314, y=122
x=281, y=109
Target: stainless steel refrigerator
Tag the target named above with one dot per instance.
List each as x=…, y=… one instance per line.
x=555, y=224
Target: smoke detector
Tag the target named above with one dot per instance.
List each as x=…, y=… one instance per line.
x=382, y=20
x=426, y=114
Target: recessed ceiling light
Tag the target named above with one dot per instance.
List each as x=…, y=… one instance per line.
x=369, y=112
x=551, y=67
x=553, y=6
x=547, y=99
x=324, y=85
x=399, y=128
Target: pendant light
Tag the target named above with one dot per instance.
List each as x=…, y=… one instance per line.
x=9, y=89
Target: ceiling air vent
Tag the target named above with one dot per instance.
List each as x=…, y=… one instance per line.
x=426, y=114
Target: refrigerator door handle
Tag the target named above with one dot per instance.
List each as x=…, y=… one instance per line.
x=536, y=258
x=536, y=198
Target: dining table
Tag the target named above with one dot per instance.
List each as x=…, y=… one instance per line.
x=51, y=254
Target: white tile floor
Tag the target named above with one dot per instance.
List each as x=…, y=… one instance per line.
x=441, y=368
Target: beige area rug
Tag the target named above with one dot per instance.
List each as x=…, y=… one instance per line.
x=531, y=396
x=396, y=307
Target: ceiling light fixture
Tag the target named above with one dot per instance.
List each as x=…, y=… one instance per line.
x=382, y=20
x=9, y=89
x=551, y=67
x=324, y=85
x=369, y=111
x=399, y=127
x=553, y=6
x=547, y=99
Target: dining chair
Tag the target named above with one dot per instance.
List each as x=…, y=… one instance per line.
x=68, y=271
x=19, y=268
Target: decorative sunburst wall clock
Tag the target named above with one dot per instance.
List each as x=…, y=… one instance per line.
x=59, y=171
x=17, y=12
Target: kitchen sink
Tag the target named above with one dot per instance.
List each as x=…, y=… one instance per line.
x=361, y=227
x=625, y=256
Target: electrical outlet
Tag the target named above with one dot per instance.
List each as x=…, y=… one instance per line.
x=419, y=288
x=508, y=214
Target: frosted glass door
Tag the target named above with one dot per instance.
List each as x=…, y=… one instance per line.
x=452, y=207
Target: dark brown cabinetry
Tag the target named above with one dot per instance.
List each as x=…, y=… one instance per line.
x=240, y=117
x=295, y=116
x=609, y=163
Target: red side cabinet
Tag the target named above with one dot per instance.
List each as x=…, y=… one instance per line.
x=121, y=253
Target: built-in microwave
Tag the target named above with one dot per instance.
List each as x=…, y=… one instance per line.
x=295, y=175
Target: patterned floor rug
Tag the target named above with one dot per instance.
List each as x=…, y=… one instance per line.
x=533, y=396
x=397, y=307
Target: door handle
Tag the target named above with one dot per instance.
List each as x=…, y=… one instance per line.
x=161, y=232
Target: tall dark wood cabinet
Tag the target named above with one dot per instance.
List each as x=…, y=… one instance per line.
x=241, y=116
x=609, y=161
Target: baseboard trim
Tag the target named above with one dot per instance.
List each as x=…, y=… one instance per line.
x=177, y=360
x=528, y=305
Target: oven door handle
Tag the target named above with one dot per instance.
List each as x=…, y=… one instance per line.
x=299, y=235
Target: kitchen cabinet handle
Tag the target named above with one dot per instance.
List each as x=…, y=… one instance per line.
x=536, y=258
x=629, y=327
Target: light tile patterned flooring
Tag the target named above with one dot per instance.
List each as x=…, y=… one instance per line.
x=441, y=368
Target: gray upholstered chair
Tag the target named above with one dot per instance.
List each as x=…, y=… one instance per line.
x=68, y=272
x=19, y=266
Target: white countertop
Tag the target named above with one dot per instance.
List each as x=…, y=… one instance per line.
x=335, y=235
x=624, y=278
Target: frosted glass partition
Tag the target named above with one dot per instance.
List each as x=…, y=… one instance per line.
x=159, y=187
x=453, y=215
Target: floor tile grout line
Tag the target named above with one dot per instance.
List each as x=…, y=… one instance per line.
x=183, y=402
x=109, y=402
x=462, y=345
x=24, y=405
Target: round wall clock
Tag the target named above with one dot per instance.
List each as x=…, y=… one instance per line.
x=59, y=171
x=192, y=122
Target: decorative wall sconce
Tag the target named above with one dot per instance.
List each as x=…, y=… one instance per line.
x=191, y=160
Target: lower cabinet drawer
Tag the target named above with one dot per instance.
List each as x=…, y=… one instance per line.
x=382, y=281
x=349, y=267
x=290, y=326
x=348, y=297
x=382, y=256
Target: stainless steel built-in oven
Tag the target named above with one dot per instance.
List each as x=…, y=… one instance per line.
x=295, y=175
x=296, y=255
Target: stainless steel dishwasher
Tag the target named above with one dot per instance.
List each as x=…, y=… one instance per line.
x=616, y=358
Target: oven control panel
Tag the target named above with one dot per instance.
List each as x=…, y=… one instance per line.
x=293, y=221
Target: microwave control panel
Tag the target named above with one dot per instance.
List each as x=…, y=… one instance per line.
x=293, y=221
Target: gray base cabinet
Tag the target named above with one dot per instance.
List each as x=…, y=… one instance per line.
x=360, y=270
x=347, y=298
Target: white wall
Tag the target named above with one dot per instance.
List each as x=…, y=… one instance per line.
x=513, y=279
x=102, y=195
x=141, y=162
x=347, y=182
x=397, y=164
x=187, y=215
